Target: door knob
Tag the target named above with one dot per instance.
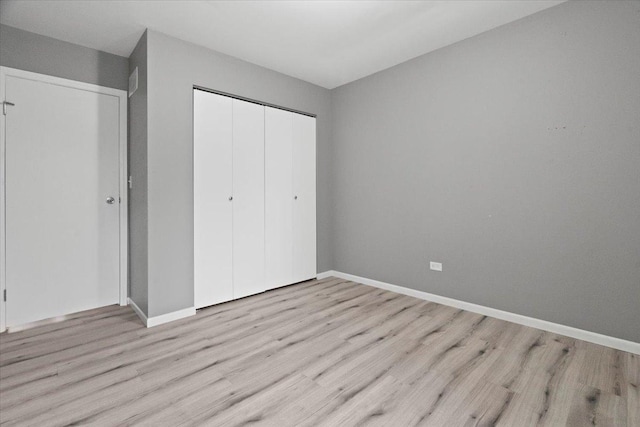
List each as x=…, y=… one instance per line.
x=295, y=197
x=110, y=200
x=230, y=198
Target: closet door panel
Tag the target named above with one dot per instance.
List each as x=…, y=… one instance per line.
x=248, y=198
x=212, y=151
x=278, y=197
x=304, y=190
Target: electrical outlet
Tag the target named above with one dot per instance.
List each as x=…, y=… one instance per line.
x=435, y=266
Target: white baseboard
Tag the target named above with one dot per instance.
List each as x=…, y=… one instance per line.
x=617, y=343
x=170, y=317
x=138, y=311
x=165, y=318
x=325, y=274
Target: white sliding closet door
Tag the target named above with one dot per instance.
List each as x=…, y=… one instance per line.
x=279, y=197
x=212, y=165
x=248, y=198
x=304, y=191
x=255, y=198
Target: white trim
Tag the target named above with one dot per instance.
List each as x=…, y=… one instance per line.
x=3, y=305
x=124, y=199
x=138, y=311
x=608, y=341
x=122, y=102
x=326, y=274
x=170, y=317
x=164, y=318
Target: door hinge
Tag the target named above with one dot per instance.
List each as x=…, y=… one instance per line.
x=130, y=181
x=5, y=295
x=4, y=106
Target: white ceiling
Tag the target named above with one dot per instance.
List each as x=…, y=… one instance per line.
x=328, y=43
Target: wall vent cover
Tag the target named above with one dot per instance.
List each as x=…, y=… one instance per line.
x=133, y=82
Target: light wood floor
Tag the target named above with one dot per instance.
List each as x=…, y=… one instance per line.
x=327, y=352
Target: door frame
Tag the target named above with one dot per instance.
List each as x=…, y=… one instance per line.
x=123, y=172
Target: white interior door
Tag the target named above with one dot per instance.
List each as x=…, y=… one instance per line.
x=278, y=197
x=212, y=190
x=62, y=163
x=304, y=192
x=248, y=198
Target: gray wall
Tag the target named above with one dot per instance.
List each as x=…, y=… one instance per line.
x=174, y=67
x=512, y=157
x=40, y=54
x=137, y=157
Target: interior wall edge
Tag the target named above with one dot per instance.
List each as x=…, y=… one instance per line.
x=137, y=190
